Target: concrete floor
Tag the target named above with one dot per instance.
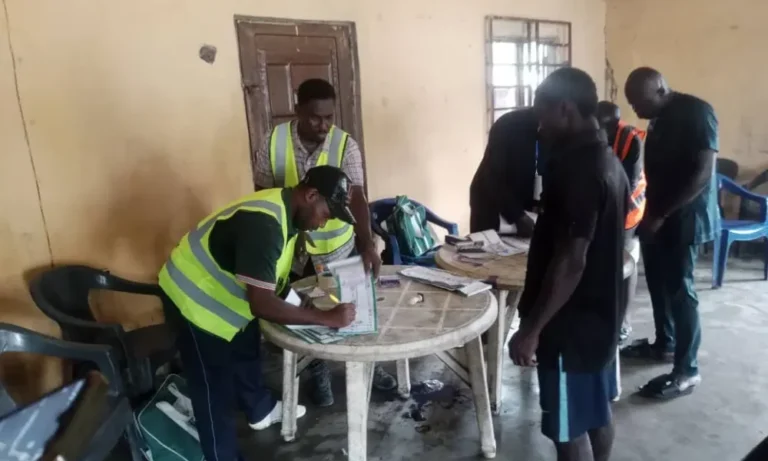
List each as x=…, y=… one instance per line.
x=720, y=421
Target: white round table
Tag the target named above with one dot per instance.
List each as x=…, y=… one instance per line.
x=441, y=322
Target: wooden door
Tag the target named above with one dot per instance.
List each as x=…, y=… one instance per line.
x=277, y=55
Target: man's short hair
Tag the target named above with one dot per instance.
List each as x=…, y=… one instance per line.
x=570, y=84
x=315, y=89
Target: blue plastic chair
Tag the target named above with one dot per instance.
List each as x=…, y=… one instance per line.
x=381, y=210
x=739, y=230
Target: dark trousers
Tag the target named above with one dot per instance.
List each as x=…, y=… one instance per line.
x=669, y=272
x=218, y=373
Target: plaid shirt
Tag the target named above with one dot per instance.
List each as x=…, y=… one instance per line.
x=351, y=164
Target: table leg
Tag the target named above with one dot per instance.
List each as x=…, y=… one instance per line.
x=290, y=396
x=403, y=378
x=358, y=392
x=476, y=363
x=496, y=336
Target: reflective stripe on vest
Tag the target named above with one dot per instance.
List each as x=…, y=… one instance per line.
x=622, y=146
x=282, y=157
x=208, y=296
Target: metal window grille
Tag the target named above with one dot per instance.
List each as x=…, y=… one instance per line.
x=520, y=53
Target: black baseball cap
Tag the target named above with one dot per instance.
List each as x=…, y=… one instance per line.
x=334, y=185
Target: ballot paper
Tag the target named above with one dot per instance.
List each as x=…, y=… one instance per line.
x=493, y=244
x=519, y=245
x=445, y=280
x=355, y=286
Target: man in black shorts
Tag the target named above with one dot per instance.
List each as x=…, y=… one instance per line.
x=571, y=309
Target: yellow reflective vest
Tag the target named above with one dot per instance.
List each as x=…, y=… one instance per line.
x=208, y=296
x=282, y=157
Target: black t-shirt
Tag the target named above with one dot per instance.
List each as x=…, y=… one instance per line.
x=249, y=243
x=586, y=195
x=503, y=183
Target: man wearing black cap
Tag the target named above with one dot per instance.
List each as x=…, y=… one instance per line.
x=225, y=275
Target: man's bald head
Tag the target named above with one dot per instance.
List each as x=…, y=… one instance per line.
x=608, y=112
x=646, y=91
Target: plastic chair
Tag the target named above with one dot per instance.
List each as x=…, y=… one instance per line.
x=750, y=211
x=381, y=210
x=727, y=168
x=739, y=230
x=101, y=415
x=62, y=294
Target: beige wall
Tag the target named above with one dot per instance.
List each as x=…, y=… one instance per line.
x=134, y=138
x=710, y=48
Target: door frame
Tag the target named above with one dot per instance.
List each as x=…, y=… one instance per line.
x=342, y=31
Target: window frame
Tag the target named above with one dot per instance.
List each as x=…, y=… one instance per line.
x=532, y=25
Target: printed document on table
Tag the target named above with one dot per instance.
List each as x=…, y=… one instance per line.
x=492, y=243
x=356, y=287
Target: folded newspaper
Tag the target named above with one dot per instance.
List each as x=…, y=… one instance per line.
x=445, y=280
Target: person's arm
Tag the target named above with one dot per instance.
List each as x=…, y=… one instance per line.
x=262, y=172
x=535, y=269
x=352, y=165
x=560, y=281
x=564, y=270
x=700, y=132
x=258, y=246
x=700, y=173
x=265, y=304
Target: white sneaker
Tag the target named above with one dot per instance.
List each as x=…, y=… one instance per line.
x=276, y=416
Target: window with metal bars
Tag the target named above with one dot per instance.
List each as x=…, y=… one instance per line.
x=520, y=53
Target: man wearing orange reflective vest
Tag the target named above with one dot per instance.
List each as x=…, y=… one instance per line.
x=627, y=142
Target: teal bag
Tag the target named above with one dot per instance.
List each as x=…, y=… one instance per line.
x=167, y=424
x=408, y=223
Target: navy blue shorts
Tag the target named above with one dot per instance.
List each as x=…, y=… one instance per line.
x=574, y=403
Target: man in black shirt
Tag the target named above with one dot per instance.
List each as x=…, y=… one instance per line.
x=504, y=182
x=682, y=213
x=570, y=307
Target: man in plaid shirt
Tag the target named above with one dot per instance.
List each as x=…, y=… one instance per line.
x=297, y=146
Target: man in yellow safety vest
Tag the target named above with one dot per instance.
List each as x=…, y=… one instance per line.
x=293, y=147
x=225, y=275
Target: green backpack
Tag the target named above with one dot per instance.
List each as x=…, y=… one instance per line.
x=168, y=426
x=408, y=223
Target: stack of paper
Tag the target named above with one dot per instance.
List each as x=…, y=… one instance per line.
x=311, y=333
x=445, y=280
x=315, y=334
x=493, y=244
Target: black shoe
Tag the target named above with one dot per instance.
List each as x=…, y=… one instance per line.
x=321, y=393
x=383, y=381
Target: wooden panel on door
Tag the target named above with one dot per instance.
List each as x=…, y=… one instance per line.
x=276, y=57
